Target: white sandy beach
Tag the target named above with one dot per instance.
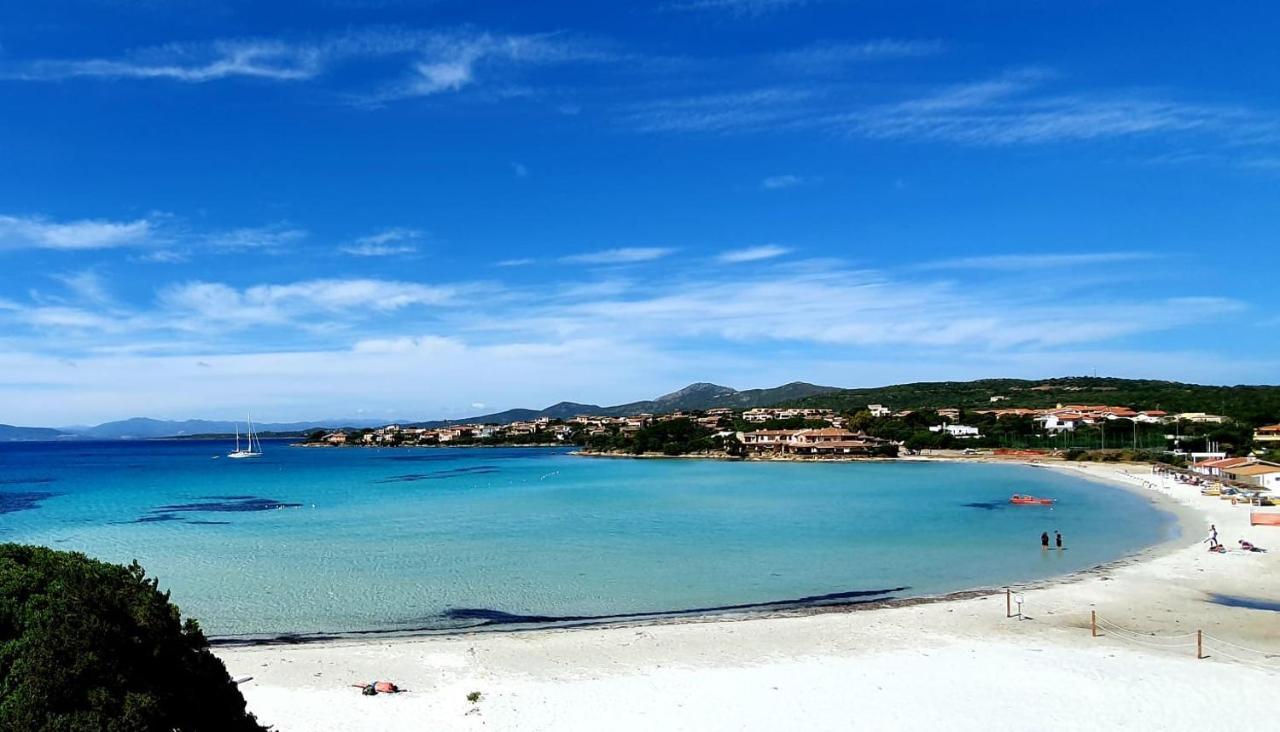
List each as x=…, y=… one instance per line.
x=956, y=664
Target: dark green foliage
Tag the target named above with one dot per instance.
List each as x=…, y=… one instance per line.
x=670, y=437
x=1251, y=405
x=86, y=645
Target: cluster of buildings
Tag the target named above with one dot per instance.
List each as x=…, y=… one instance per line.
x=820, y=441
x=1247, y=470
x=772, y=414
x=834, y=439
x=398, y=435
x=1067, y=417
x=596, y=424
x=554, y=430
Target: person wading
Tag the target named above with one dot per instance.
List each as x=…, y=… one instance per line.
x=1044, y=540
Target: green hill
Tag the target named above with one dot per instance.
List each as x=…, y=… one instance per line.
x=1247, y=403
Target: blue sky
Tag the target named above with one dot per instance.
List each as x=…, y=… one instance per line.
x=435, y=208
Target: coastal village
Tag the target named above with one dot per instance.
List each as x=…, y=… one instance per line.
x=818, y=433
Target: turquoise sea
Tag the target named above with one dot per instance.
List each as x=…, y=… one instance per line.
x=307, y=542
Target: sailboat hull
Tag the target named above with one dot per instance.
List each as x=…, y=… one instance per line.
x=242, y=454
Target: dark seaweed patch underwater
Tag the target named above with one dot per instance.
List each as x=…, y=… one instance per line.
x=14, y=501
x=211, y=504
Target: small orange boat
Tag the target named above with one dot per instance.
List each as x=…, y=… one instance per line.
x=1020, y=500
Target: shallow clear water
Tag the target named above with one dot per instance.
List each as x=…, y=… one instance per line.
x=399, y=539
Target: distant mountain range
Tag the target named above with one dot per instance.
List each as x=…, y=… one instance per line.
x=9, y=433
x=699, y=396
x=694, y=396
x=1250, y=404
x=142, y=428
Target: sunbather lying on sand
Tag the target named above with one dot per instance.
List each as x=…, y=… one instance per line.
x=1250, y=547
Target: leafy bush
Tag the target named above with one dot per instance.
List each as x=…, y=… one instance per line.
x=86, y=645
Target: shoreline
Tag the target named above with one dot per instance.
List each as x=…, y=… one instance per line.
x=533, y=678
x=781, y=608
x=1183, y=519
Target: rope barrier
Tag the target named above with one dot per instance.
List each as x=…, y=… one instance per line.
x=1268, y=654
x=1245, y=661
x=1269, y=661
x=1121, y=629
x=1149, y=644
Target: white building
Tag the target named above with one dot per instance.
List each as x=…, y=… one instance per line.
x=961, y=431
x=879, y=410
x=1200, y=417
x=1261, y=473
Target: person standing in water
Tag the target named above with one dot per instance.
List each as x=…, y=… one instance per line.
x=1044, y=540
x=1057, y=538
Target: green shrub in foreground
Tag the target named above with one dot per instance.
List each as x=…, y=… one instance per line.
x=86, y=645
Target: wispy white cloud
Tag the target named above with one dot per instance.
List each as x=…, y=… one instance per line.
x=623, y=255
x=196, y=63
x=834, y=57
x=434, y=61
x=159, y=237
x=775, y=182
x=1017, y=108
x=1015, y=262
x=163, y=256
x=845, y=308
x=216, y=302
x=390, y=242
x=746, y=111
x=86, y=285
x=519, y=262
x=35, y=232
x=739, y=7
x=71, y=318
x=451, y=62
x=274, y=238
x=753, y=254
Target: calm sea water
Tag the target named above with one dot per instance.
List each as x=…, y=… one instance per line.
x=411, y=539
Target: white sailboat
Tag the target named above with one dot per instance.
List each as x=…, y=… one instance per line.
x=252, y=450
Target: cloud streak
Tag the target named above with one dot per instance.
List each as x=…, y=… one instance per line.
x=776, y=182
x=753, y=254
x=739, y=7
x=624, y=255
x=194, y=64
x=432, y=61
x=1018, y=262
x=390, y=242
x=1012, y=109
x=35, y=232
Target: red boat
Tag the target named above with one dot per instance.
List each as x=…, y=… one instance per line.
x=1030, y=500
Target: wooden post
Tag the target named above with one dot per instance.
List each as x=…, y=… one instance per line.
x=1093, y=623
x=1199, y=644
x=1008, y=602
